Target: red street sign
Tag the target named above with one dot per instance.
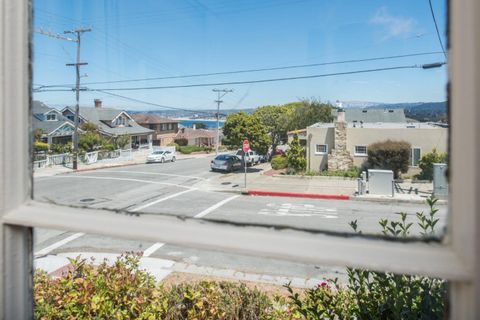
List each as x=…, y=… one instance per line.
x=246, y=145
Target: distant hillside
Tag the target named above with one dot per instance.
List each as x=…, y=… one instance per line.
x=420, y=111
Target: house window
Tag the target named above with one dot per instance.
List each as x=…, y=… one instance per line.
x=51, y=117
x=321, y=149
x=415, y=155
x=120, y=121
x=360, y=151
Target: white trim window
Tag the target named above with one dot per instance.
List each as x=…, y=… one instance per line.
x=360, y=151
x=51, y=117
x=415, y=156
x=321, y=149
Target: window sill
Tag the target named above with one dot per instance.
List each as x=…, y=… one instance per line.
x=436, y=260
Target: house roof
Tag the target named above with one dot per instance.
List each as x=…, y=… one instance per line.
x=147, y=118
x=102, y=118
x=373, y=115
x=189, y=133
x=39, y=121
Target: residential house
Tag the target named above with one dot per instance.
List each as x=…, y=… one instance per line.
x=165, y=129
x=342, y=144
x=52, y=126
x=113, y=123
x=198, y=137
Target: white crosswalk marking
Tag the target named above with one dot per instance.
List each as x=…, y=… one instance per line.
x=298, y=210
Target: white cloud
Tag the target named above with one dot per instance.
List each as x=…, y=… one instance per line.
x=393, y=26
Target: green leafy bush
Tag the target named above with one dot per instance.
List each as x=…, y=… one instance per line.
x=427, y=161
x=40, y=146
x=352, y=173
x=60, y=148
x=181, y=142
x=122, y=142
x=389, y=155
x=123, y=291
x=296, y=156
x=189, y=149
x=90, y=141
x=279, y=162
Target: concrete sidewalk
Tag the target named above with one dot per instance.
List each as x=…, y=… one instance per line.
x=57, y=265
x=139, y=157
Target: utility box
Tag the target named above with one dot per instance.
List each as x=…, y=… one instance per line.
x=440, y=184
x=380, y=182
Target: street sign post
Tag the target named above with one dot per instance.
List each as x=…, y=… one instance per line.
x=246, y=148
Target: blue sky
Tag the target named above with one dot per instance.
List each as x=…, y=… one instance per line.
x=155, y=38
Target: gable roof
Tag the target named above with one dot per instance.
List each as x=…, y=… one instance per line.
x=102, y=118
x=39, y=110
x=189, y=133
x=147, y=118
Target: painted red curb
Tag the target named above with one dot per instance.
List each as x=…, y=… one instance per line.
x=297, y=195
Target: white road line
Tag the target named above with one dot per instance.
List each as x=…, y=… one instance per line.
x=124, y=179
x=161, y=174
x=214, y=207
x=58, y=244
x=161, y=199
x=149, y=251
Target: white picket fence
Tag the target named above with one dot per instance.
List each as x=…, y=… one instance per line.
x=88, y=158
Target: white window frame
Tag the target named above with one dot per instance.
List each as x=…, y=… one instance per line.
x=50, y=114
x=412, y=154
x=321, y=153
x=457, y=259
x=357, y=154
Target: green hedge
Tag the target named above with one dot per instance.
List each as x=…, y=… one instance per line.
x=279, y=162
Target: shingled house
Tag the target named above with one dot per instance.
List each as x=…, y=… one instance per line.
x=165, y=129
x=113, y=123
x=50, y=124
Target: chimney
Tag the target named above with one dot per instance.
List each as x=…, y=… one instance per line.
x=340, y=115
x=98, y=103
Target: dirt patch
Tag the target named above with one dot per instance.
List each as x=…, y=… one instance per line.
x=272, y=172
x=176, y=278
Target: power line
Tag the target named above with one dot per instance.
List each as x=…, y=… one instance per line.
x=423, y=66
x=266, y=69
x=150, y=103
x=266, y=80
x=436, y=28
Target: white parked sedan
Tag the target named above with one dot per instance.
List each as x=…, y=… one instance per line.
x=161, y=156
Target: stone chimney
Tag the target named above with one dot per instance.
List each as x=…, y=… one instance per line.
x=339, y=157
x=98, y=103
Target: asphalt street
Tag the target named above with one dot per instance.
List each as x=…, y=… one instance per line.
x=188, y=188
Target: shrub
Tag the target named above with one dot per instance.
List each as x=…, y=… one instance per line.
x=60, y=148
x=89, y=141
x=123, y=291
x=279, y=162
x=352, y=173
x=189, y=149
x=181, y=142
x=121, y=142
x=427, y=161
x=389, y=155
x=296, y=156
x=40, y=146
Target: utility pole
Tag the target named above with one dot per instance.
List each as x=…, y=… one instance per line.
x=220, y=94
x=77, y=65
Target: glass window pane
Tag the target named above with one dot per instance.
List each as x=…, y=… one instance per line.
x=343, y=112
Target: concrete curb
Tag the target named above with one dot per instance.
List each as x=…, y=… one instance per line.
x=314, y=177
x=296, y=195
x=396, y=200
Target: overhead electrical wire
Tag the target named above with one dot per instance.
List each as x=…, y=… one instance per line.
x=193, y=85
x=154, y=104
x=436, y=28
x=260, y=69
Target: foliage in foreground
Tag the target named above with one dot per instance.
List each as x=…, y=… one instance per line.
x=352, y=173
x=123, y=291
x=279, y=162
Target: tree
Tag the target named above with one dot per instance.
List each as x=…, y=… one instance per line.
x=90, y=141
x=309, y=112
x=240, y=126
x=427, y=161
x=38, y=133
x=121, y=142
x=296, y=156
x=277, y=121
x=88, y=127
x=389, y=155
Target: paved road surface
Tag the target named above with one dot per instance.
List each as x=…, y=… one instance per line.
x=188, y=188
